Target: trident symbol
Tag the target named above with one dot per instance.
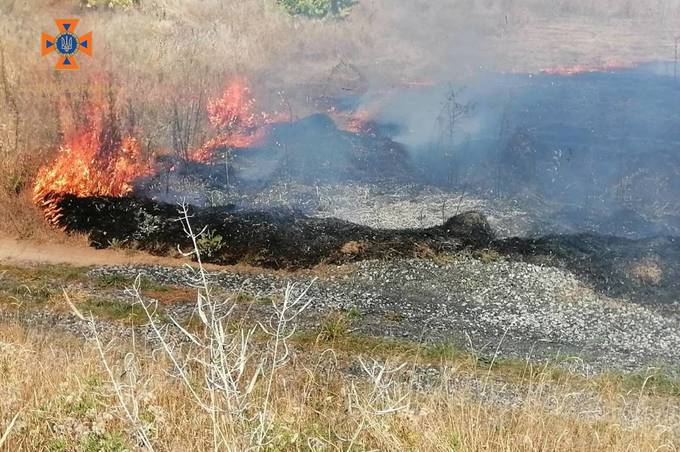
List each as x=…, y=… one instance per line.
x=67, y=43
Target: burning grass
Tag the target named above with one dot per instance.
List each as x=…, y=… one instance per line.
x=84, y=167
x=235, y=117
x=96, y=159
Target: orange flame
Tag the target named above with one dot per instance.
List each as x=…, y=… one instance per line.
x=360, y=121
x=357, y=122
x=234, y=114
x=585, y=69
x=91, y=162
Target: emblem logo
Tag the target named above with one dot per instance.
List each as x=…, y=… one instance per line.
x=67, y=44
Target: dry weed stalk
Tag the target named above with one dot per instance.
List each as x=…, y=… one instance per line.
x=224, y=358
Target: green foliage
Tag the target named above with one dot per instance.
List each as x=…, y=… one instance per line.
x=209, y=243
x=114, y=280
x=353, y=313
x=107, y=442
x=654, y=381
x=316, y=8
x=333, y=327
x=113, y=309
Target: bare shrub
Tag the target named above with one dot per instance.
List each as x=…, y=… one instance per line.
x=236, y=378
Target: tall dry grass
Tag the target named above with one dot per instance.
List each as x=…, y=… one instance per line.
x=62, y=398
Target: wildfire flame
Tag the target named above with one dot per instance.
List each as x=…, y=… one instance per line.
x=585, y=69
x=95, y=160
x=360, y=121
x=235, y=117
x=357, y=122
x=91, y=162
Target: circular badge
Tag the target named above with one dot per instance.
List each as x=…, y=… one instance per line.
x=67, y=44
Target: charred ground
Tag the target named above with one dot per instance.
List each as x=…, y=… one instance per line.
x=277, y=238
x=644, y=270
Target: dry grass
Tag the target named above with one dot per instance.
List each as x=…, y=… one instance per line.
x=232, y=386
x=61, y=393
x=23, y=220
x=647, y=271
x=353, y=247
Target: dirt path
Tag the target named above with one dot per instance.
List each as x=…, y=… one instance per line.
x=26, y=252
x=22, y=251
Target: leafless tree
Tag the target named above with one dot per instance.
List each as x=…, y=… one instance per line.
x=446, y=129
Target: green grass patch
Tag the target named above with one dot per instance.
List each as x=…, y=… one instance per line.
x=23, y=293
x=247, y=298
x=655, y=382
x=116, y=281
x=93, y=442
x=510, y=370
x=334, y=327
x=316, y=8
x=112, y=309
x=65, y=273
x=106, y=442
x=354, y=344
x=353, y=313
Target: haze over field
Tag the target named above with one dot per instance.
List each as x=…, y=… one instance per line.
x=395, y=225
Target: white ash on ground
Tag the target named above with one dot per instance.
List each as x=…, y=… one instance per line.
x=395, y=205
x=386, y=205
x=490, y=306
x=401, y=207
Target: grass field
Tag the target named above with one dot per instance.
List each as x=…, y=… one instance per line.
x=328, y=390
